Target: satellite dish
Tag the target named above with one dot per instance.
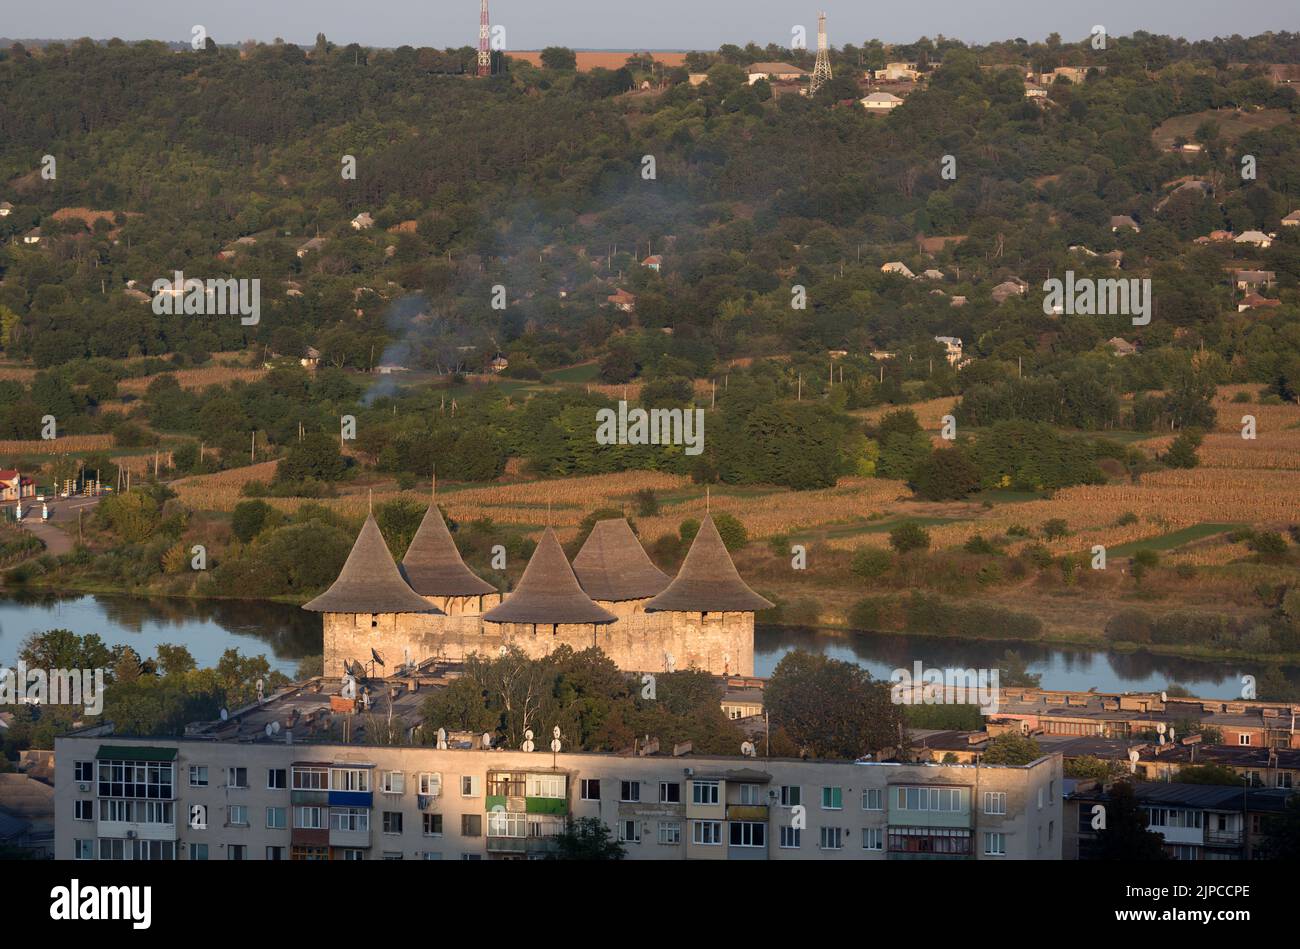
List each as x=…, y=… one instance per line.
x=1160, y=728
x=555, y=745
x=225, y=714
x=555, y=732
x=442, y=739
x=1162, y=739
x=1164, y=697
x=670, y=662
x=502, y=651
x=528, y=740
x=275, y=727
x=747, y=749
x=269, y=730
x=1134, y=755
x=486, y=741
x=1171, y=734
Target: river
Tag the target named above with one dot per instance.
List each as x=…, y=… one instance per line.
x=285, y=634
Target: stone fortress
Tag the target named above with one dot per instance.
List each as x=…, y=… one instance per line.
x=432, y=606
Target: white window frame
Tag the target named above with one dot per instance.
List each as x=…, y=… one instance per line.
x=701, y=838
x=706, y=800
x=995, y=843
x=393, y=782
x=670, y=832
x=873, y=794
x=995, y=803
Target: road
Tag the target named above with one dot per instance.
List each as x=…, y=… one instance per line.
x=62, y=511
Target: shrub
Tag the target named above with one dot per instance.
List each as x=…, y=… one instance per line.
x=870, y=562
x=1129, y=626
x=947, y=474
x=909, y=536
x=1056, y=528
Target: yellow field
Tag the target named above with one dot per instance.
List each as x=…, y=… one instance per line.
x=196, y=378
x=56, y=446
x=930, y=414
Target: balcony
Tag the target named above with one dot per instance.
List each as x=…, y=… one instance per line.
x=753, y=812
x=315, y=798
x=351, y=799
x=355, y=839
x=1223, y=838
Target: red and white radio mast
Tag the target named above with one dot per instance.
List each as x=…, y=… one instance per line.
x=484, y=56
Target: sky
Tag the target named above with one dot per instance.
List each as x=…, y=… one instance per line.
x=635, y=24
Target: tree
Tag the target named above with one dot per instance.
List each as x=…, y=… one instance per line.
x=1282, y=833
x=559, y=58
x=1182, y=453
x=317, y=456
x=948, y=474
x=909, y=536
x=832, y=708
x=587, y=838
x=1125, y=836
x=1012, y=748
x=1209, y=774
x=249, y=518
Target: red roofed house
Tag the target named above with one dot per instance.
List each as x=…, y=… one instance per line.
x=622, y=300
x=1253, y=301
x=14, y=487
x=654, y=262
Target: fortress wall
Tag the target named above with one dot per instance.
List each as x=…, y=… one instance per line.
x=720, y=643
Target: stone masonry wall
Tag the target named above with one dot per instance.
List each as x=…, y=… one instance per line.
x=720, y=643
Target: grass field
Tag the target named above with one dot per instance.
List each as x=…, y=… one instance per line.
x=1232, y=124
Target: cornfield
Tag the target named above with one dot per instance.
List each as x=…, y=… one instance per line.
x=196, y=378
x=57, y=446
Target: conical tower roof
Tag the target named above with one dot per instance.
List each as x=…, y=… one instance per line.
x=369, y=581
x=548, y=592
x=612, y=564
x=708, y=581
x=433, y=566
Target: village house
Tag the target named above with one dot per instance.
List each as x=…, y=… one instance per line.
x=310, y=358
x=316, y=243
x=1009, y=288
x=1255, y=238
x=363, y=221
x=952, y=350
x=958, y=301
x=1120, y=222
x=33, y=236
x=1292, y=219
x=1215, y=237
x=1253, y=279
x=1121, y=347
x=933, y=274
x=898, y=267
x=498, y=363
x=1075, y=74
x=5, y=208
x=774, y=72
x=15, y=486
x=622, y=300
x=898, y=72
x=1253, y=301
x=1033, y=91
x=880, y=102
x=654, y=262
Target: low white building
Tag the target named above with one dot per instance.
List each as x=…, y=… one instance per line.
x=881, y=102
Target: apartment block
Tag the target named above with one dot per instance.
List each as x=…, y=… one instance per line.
x=270, y=798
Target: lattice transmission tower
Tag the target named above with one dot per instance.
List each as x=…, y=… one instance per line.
x=484, y=55
x=822, y=70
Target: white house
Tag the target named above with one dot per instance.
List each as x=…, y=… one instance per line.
x=1258, y=238
x=898, y=72
x=1291, y=220
x=952, y=349
x=898, y=267
x=5, y=208
x=363, y=221
x=881, y=102
x=775, y=72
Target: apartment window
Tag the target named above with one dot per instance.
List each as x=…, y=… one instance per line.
x=469, y=786
x=83, y=771
x=670, y=792
x=112, y=848
x=236, y=777
x=277, y=818
x=352, y=819
x=589, y=789
x=749, y=794
x=704, y=792
x=274, y=853
x=309, y=818
x=949, y=800
x=471, y=825
x=1051, y=831
x=873, y=799
x=238, y=815
x=84, y=810
x=670, y=831
x=544, y=785
x=432, y=825
x=310, y=779
x=429, y=783
x=277, y=779
x=471, y=856
x=1040, y=798
x=236, y=852
x=791, y=838
x=790, y=795
x=351, y=854
x=1243, y=738
x=995, y=845
x=1284, y=779
x=349, y=779
x=432, y=855
x=392, y=855
x=508, y=824
x=392, y=822
x=832, y=838
x=873, y=838
x=84, y=849
x=745, y=833
x=707, y=832
x=629, y=831
x=995, y=802
x=393, y=782
x=629, y=791
x=137, y=779
x=832, y=799
x=198, y=851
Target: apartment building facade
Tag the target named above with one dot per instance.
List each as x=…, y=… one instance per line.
x=121, y=798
